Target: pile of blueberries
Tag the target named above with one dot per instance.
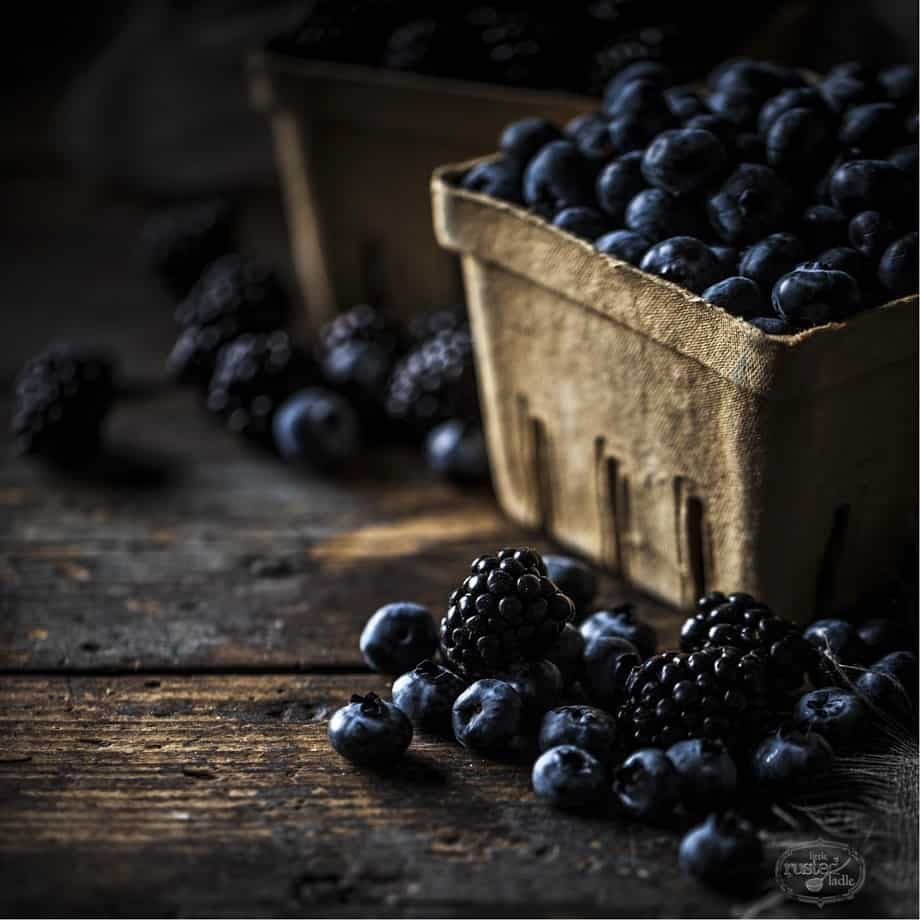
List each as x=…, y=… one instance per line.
x=573, y=713
x=787, y=201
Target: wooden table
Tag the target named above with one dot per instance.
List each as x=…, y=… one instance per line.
x=175, y=634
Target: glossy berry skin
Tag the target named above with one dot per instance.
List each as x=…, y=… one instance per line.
x=899, y=82
x=684, y=102
x=457, y=449
x=739, y=106
x=556, y=178
x=723, y=129
x=883, y=635
x=869, y=185
x=823, y=227
x=622, y=623
x=723, y=852
x=567, y=654
x=890, y=696
x=574, y=578
x=738, y=296
x=872, y=128
x=625, y=245
x=498, y=178
x=641, y=97
x=772, y=325
x=318, y=428
x=790, y=761
x=751, y=203
x=840, y=259
x=683, y=160
x=897, y=269
x=569, y=777
x=802, y=97
x=609, y=661
x=584, y=222
x=656, y=215
x=842, y=91
x=839, y=716
x=522, y=140
x=630, y=133
x=370, y=731
x=771, y=258
x=427, y=694
x=871, y=234
x=591, y=135
x=813, y=297
x=653, y=72
x=647, y=785
x=487, y=716
x=683, y=260
x=708, y=775
x=538, y=683
x=585, y=727
x=727, y=257
x=618, y=183
x=797, y=141
x=397, y=637
x=837, y=642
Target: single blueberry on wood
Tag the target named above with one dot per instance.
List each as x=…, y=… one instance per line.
x=427, y=694
x=567, y=654
x=370, y=731
x=487, y=715
x=791, y=761
x=318, y=428
x=647, y=785
x=723, y=852
x=585, y=727
x=569, y=777
x=398, y=636
x=708, y=775
x=457, y=449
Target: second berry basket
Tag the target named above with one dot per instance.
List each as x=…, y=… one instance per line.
x=672, y=442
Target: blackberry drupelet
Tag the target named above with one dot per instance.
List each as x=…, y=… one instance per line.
x=507, y=610
x=62, y=396
x=362, y=323
x=253, y=376
x=434, y=382
x=715, y=693
x=740, y=621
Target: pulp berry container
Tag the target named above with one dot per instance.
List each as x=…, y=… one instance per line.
x=355, y=148
x=670, y=441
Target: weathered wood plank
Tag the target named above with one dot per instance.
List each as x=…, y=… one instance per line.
x=219, y=796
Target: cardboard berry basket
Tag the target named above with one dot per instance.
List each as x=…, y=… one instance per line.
x=355, y=148
x=666, y=439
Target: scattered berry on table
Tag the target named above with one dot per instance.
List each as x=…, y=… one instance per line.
x=647, y=785
x=586, y=727
x=370, y=731
x=398, y=636
x=457, y=449
x=427, y=694
x=538, y=683
x=488, y=716
x=577, y=580
x=567, y=654
x=837, y=643
x=318, y=428
x=569, y=777
x=840, y=716
x=708, y=775
x=506, y=610
x=723, y=852
x=790, y=761
x=624, y=623
x=608, y=662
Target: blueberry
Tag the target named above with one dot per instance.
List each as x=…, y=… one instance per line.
x=883, y=635
x=618, y=183
x=902, y=666
x=869, y=185
x=841, y=259
x=723, y=852
x=899, y=82
x=522, y=140
x=427, y=694
x=765, y=78
x=871, y=128
x=708, y=775
x=591, y=135
x=629, y=133
x=641, y=97
x=684, y=160
x=622, y=623
x=657, y=216
x=823, y=227
x=556, y=178
x=797, y=141
x=842, y=91
x=538, y=683
x=567, y=654
x=585, y=727
x=839, y=716
x=318, y=428
x=397, y=637
x=609, y=660
x=751, y=203
x=890, y=685
x=587, y=223
x=738, y=296
x=748, y=147
x=683, y=260
x=905, y=158
x=369, y=730
x=737, y=105
x=497, y=178
x=804, y=97
x=650, y=71
x=723, y=129
x=772, y=325
x=574, y=578
x=487, y=715
x=871, y=233
x=771, y=258
x=457, y=449
x=569, y=777
x=838, y=640
x=790, y=761
x=727, y=257
x=623, y=244
x=897, y=269
x=647, y=785
x=813, y=297
x=684, y=102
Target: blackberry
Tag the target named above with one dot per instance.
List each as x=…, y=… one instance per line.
x=253, y=376
x=743, y=623
x=426, y=325
x=715, y=693
x=434, y=382
x=62, y=396
x=507, y=610
x=180, y=241
x=362, y=323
